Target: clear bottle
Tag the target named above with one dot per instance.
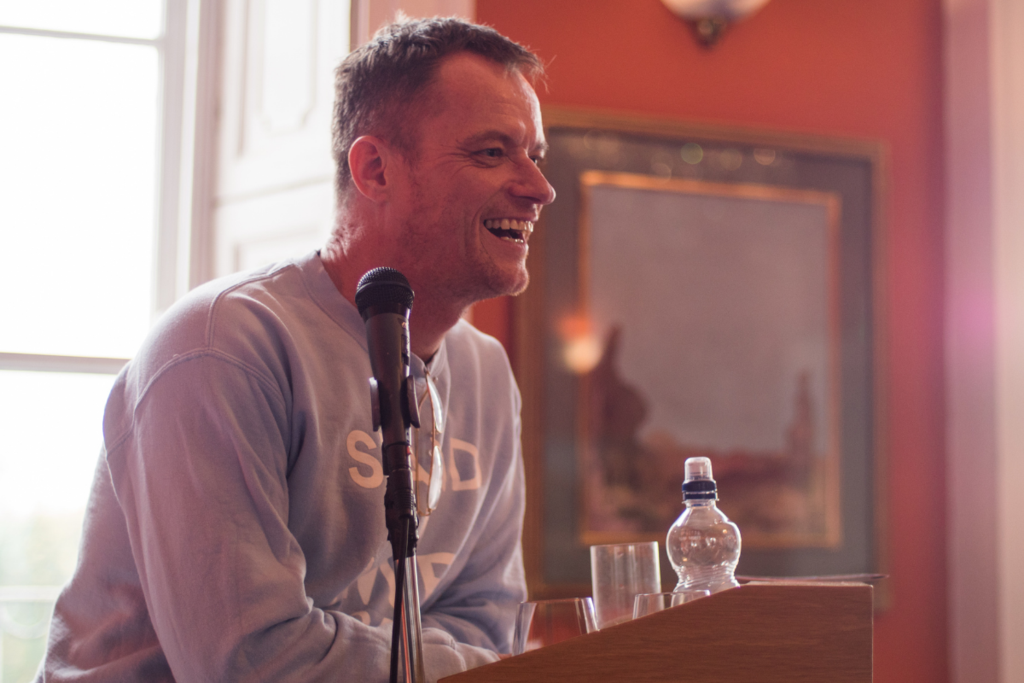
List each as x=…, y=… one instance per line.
x=703, y=545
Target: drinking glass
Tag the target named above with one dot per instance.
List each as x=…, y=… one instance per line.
x=546, y=622
x=649, y=603
x=619, y=572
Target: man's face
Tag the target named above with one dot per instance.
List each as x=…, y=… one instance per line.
x=466, y=200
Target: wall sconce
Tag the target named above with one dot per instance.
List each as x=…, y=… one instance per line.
x=710, y=18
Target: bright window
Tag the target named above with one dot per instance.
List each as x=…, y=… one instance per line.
x=80, y=129
x=78, y=172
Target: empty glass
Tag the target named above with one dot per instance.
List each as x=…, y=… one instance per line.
x=620, y=572
x=546, y=622
x=649, y=603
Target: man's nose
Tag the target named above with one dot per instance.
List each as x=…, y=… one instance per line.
x=532, y=185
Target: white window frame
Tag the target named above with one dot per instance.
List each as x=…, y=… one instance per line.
x=187, y=50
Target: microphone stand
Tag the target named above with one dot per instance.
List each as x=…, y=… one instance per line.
x=402, y=522
x=407, y=613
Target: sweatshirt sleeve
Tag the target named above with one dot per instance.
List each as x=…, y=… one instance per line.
x=200, y=473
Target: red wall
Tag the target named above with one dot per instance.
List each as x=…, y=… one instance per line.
x=860, y=68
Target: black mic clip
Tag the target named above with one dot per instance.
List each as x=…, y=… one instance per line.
x=410, y=407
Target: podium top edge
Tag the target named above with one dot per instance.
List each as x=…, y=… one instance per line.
x=817, y=584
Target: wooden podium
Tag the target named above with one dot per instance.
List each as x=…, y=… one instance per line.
x=757, y=633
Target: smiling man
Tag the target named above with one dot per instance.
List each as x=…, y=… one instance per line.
x=236, y=526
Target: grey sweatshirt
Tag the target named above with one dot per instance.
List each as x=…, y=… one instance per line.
x=235, y=530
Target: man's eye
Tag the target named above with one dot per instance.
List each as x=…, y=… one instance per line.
x=493, y=152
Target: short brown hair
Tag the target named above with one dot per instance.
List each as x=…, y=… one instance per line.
x=377, y=84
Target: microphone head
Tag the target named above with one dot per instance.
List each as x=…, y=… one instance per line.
x=383, y=289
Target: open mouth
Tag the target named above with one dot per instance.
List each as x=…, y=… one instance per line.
x=510, y=229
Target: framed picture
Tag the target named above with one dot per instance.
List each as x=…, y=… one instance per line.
x=703, y=291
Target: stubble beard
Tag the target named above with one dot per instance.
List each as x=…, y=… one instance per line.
x=467, y=289
x=461, y=281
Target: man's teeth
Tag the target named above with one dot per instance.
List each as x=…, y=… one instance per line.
x=509, y=229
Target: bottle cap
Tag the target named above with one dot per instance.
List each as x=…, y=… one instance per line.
x=699, y=483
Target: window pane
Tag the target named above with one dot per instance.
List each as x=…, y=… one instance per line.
x=130, y=18
x=78, y=178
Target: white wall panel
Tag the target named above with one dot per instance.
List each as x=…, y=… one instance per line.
x=274, y=194
x=278, y=93
x=273, y=226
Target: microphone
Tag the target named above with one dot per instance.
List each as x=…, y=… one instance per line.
x=384, y=299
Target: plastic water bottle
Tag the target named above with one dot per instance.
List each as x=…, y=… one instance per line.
x=703, y=545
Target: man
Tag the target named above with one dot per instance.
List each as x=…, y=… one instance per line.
x=236, y=526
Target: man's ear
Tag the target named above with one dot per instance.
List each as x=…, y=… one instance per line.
x=368, y=161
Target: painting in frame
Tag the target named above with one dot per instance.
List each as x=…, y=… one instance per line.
x=703, y=291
